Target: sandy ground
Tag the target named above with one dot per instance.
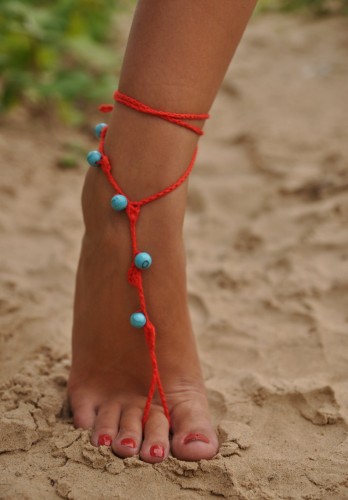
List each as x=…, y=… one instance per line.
x=267, y=247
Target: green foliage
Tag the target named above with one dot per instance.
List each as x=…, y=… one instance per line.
x=67, y=162
x=56, y=53
x=317, y=7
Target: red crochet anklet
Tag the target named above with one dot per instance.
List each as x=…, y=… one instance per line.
x=119, y=202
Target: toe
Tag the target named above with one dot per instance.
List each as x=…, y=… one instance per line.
x=128, y=440
x=84, y=412
x=106, y=424
x=155, y=447
x=194, y=437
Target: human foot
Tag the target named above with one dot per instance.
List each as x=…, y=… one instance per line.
x=111, y=370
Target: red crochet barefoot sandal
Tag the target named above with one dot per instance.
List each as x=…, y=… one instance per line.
x=142, y=260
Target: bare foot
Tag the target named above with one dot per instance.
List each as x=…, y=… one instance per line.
x=111, y=368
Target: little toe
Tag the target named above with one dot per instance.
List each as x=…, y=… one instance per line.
x=128, y=440
x=106, y=424
x=84, y=413
x=155, y=447
x=194, y=437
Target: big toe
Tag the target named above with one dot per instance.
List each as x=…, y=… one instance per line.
x=194, y=437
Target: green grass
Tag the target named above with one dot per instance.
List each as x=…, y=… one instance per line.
x=56, y=54
x=315, y=7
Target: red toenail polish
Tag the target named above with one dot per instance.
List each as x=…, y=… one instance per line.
x=196, y=437
x=157, y=450
x=129, y=442
x=104, y=440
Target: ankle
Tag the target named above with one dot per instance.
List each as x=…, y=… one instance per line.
x=146, y=154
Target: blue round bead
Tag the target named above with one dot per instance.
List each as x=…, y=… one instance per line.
x=98, y=129
x=119, y=202
x=94, y=158
x=143, y=260
x=138, y=320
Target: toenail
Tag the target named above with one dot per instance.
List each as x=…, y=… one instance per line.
x=157, y=450
x=104, y=440
x=129, y=442
x=195, y=437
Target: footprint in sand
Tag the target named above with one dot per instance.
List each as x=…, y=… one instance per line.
x=316, y=404
x=319, y=406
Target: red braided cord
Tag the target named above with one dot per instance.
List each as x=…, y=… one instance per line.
x=176, y=118
x=106, y=108
x=133, y=212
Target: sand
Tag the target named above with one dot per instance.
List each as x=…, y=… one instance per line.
x=267, y=247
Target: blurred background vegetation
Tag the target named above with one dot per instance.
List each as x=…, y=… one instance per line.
x=61, y=55
x=58, y=54
x=311, y=7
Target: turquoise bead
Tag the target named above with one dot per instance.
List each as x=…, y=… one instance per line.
x=143, y=260
x=98, y=129
x=94, y=158
x=119, y=202
x=138, y=320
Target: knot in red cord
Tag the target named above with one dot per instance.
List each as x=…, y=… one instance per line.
x=133, y=210
x=134, y=275
x=150, y=334
x=105, y=164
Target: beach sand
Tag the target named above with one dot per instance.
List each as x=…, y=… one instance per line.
x=267, y=248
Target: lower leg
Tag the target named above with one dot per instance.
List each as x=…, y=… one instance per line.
x=176, y=57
